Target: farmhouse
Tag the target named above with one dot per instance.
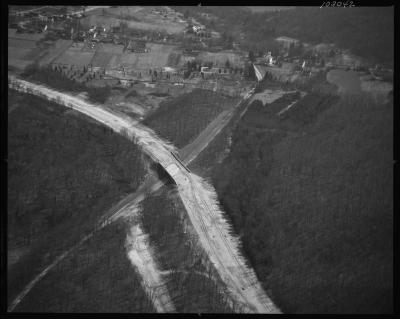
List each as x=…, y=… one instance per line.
x=169, y=70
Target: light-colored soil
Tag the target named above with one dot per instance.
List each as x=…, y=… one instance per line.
x=141, y=257
x=268, y=96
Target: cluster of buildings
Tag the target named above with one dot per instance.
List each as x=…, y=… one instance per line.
x=212, y=72
x=295, y=58
x=199, y=31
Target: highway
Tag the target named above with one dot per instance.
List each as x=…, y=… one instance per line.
x=199, y=198
x=192, y=150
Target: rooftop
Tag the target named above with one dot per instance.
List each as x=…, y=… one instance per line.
x=284, y=38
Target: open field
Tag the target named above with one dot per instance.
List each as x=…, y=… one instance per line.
x=156, y=58
x=219, y=58
x=20, y=52
x=25, y=49
x=12, y=33
x=75, y=55
x=54, y=51
x=136, y=17
x=112, y=57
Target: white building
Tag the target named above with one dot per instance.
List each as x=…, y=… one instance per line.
x=269, y=58
x=197, y=28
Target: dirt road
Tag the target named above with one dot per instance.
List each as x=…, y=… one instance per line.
x=141, y=256
x=198, y=197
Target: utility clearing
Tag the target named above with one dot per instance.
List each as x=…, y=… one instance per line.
x=198, y=197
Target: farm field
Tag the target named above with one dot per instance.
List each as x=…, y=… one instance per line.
x=26, y=49
x=12, y=33
x=136, y=17
x=56, y=49
x=23, y=49
x=219, y=58
x=74, y=55
x=21, y=52
x=111, y=57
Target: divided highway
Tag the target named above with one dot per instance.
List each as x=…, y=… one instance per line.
x=198, y=197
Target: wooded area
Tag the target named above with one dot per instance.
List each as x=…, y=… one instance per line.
x=98, y=277
x=180, y=120
x=311, y=194
x=64, y=172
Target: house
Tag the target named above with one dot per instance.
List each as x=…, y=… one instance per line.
x=286, y=42
x=197, y=28
x=269, y=59
x=211, y=72
x=170, y=70
x=126, y=83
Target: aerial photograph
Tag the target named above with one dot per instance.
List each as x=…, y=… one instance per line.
x=199, y=159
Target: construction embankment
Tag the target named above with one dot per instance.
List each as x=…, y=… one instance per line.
x=198, y=197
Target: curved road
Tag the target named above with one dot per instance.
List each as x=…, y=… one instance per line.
x=198, y=197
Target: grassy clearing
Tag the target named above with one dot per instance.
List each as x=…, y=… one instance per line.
x=182, y=119
x=311, y=193
x=64, y=172
x=189, y=281
x=98, y=277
